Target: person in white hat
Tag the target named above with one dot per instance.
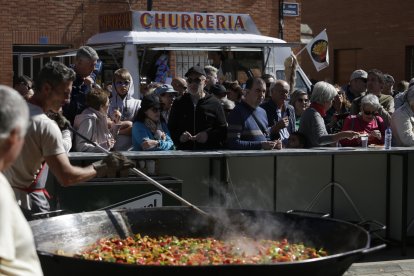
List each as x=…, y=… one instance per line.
x=357, y=85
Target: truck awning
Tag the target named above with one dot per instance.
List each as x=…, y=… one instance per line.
x=71, y=52
x=187, y=39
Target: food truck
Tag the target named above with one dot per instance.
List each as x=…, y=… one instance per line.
x=158, y=45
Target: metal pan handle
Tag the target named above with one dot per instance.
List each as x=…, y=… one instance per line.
x=372, y=226
x=308, y=213
x=375, y=248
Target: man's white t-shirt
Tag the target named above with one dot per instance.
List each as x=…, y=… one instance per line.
x=43, y=138
x=17, y=249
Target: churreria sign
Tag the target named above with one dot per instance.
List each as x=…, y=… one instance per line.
x=192, y=21
x=177, y=21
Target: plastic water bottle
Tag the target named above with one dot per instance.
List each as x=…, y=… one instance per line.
x=388, y=138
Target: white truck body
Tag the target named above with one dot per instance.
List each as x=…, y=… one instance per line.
x=191, y=36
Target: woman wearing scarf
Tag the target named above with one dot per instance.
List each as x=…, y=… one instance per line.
x=312, y=124
x=92, y=123
x=366, y=122
x=149, y=131
x=123, y=108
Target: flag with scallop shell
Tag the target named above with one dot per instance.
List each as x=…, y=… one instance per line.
x=318, y=51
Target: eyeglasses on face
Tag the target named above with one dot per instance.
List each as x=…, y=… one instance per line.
x=122, y=83
x=370, y=113
x=196, y=80
x=26, y=85
x=303, y=100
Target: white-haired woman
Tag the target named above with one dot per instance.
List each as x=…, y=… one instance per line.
x=366, y=122
x=402, y=122
x=312, y=124
x=17, y=255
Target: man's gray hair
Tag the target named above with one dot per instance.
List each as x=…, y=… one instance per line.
x=370, y=100
x=323, y=92
x=14, y=112
x=410, y=95
x=87, y=52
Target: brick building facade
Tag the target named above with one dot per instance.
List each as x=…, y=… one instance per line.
x=362, y=34
x=33, y=24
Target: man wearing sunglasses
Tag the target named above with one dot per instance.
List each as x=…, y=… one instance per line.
x=197, y=120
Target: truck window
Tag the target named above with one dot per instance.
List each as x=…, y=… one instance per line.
x=300, y=83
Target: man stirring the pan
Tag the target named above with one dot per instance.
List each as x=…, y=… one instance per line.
x=44, y=143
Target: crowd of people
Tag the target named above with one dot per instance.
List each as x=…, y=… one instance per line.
x=201, y=111
x=64, y=110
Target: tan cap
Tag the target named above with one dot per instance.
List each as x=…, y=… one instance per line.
x=359, y=74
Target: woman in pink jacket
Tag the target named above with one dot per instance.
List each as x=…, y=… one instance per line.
x=366, y=122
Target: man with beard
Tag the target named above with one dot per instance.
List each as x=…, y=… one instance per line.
x=197, y=120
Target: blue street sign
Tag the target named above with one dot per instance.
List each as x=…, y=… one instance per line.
x=290, y=9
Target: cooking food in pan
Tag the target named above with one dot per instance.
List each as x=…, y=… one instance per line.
x=171, y=250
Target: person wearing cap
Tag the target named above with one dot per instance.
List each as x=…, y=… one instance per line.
x=388, y=85
x=150, y=131
x=375, y=84
x=357, y=85
x=123, y=108
x=197, y=120
x=85, y=62
x=248, y=128
x=179, y=85
x=167, y=94
x=220, y=92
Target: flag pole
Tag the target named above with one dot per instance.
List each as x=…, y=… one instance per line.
x=301, y=50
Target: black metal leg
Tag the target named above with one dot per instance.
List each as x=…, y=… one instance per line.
x=332, y=186
x=274, y=182
x=404, y=205
x=387, y=198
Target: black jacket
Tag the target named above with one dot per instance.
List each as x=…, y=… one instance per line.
x=208, y=115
